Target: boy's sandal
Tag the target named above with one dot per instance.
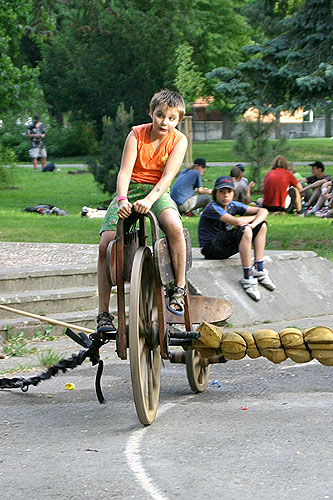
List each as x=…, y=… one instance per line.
x=177, y=298
x=105, y=322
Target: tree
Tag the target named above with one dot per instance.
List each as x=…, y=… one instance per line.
x=17, y=81
x=121, y=53
x=114, y=134
x=221, y=39
x=292, y=69
x=309, y=58
x=189, y=81
x=254, y=146
x=103, y=52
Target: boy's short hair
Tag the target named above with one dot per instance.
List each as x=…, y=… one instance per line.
x=235, y=172
x=198, y=162
x=36, y=118
x=171, y=99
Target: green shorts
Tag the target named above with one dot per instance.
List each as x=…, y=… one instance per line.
x=136, y=191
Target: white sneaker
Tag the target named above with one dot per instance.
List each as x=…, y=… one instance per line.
x=250, y=286
x=263, y=278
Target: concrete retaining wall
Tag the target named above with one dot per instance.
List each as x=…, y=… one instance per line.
x=213, y=130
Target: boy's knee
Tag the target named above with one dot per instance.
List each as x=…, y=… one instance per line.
x=247, y=232
x=106, y=237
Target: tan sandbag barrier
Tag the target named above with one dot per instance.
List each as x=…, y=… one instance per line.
x=301, y=347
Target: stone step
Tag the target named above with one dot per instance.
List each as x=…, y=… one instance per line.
x=57, y=304
x=29, y=326
x=45, y=302
x=55, y=277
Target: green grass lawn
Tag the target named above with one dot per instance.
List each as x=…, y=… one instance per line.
x=299, y=150
x=288, y=232
x=65, y=191
x=72, y=192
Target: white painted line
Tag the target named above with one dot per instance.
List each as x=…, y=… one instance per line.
x=134, y=459
x=299, y=365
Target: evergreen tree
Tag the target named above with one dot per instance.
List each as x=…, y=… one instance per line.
x=292, y=69
x=115, y=131
x=254, y=145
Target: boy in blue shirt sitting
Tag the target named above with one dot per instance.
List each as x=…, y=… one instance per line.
x=187, y=191
x=227, y=227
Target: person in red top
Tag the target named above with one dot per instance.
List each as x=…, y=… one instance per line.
x=280, y=186
x=152, y=156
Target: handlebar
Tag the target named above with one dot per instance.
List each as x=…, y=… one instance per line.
x=124, y=224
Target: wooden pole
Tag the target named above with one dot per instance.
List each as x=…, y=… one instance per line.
x=188, y=132
x=46, y=319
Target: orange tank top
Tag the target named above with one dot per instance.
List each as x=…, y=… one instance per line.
x=149, y=164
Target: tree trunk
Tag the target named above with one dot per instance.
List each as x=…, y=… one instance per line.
x=278, y=125
x=227, y=123
x=60, y=118
x=328, y=114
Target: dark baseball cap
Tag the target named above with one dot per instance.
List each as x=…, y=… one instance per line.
x=225, y=181
x=317, y=164
x=240, y=166
x=201, y=162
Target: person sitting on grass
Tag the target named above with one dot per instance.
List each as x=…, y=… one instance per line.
x=314, y=182
x=243, y=187
x=152, y=156
x=281, y=188
x=227, y=227
x=188, y=192
x=323, y=202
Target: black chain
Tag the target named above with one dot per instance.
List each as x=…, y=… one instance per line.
x=93, y=343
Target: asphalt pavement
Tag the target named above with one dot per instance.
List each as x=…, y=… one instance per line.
x=258, y=431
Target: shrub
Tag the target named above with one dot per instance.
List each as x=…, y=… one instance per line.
x=75, y=140
x=13, y=136
x=105, y=170
x=7, y=161
x=254, y=145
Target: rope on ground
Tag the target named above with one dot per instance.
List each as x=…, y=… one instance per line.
x=300, y=347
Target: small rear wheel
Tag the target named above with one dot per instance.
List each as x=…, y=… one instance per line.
x=144, y=349
x=197, y=371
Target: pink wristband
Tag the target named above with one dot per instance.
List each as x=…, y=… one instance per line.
x=120, y=198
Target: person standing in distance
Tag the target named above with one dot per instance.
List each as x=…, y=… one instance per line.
x=36, y=133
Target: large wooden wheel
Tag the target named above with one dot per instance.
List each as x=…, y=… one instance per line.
x=145, y=360
x=197, y=371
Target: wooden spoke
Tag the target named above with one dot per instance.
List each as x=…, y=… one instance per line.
x=197, y=372
x=145, y=360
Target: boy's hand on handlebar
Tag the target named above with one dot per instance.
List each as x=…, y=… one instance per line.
x=124, y=209
x=142, y=206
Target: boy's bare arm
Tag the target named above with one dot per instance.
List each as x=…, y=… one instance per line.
x=202, y=190
x=314, y=184
x=236, y=221
x=253, y=216
x=124, y=175
x=260, y=215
